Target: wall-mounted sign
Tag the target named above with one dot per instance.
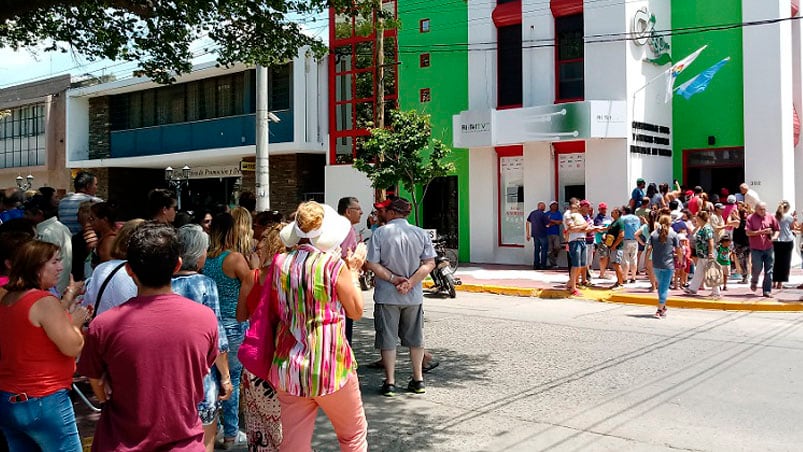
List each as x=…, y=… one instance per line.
x=472, y=128
x=643, y=31
x=215, y=171
x=248, y=166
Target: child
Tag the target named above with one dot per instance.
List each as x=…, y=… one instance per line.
x=724, y=259
x=682, y=263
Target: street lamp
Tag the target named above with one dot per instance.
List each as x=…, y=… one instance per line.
x=25, y=184
x=178, y=181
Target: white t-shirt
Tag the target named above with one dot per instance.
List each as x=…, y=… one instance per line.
x=573, y=220
x=120, y=288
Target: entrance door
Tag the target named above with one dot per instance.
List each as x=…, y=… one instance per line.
x=440, y=209
x=570, y=171
x=714, y=169
x=207, y=193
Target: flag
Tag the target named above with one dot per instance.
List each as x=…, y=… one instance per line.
x=676, y=69
x=699, y=82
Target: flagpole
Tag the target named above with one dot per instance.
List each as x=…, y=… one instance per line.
x=663, y=73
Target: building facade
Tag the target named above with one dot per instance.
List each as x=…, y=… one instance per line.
x=32, y=133
x=129, y=131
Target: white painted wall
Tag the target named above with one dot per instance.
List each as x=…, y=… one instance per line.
x=797, y=90
x=538, y=56
x=481, y=55
x=77, y=134
x=539, y=183
x=768, y=97
x=344, y=180
x=605, y=168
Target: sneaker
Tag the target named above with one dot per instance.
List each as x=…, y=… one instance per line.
x=616, y=286
x=388, y=389
x=689, y=291
x=767, y=295
x=632, y=281
x=417, y=387
x=753, y=287
x=230, y=443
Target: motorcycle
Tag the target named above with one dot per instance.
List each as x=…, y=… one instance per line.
x=366, y=278
x=445, y=266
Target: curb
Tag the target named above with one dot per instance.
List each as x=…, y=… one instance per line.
x=609, y=296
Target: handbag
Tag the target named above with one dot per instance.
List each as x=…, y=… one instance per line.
x=256, y=351
x=712, y=273
x=609, y=239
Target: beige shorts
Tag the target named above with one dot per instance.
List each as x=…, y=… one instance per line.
x=393, y=322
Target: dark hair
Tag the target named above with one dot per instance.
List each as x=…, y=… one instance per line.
x=627, y=210
x=199, y=215
x=248, y=201
x=153, y=253
x=673, y=204
x=663, y=188
x=158, y=199
x=181, y=219
x=13, y=197
x=25, y=225
x=26, y=264
x=344, y=203
x=652, y=189
x=41, y=204
x=221, y=234
x=82, y=180
x=10, y=242
x=106, y=211
x=268, y=218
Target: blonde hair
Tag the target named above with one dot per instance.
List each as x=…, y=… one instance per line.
x=309, y=216
x=666, y=223
x=272, y=242
x=243, y=230
x=120, y=244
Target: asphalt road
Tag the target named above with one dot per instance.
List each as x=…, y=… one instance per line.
x=527, y=374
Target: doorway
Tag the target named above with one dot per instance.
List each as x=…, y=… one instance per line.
x=440, y=209
x=714, y=169
x=570, y=171
x=207, y=193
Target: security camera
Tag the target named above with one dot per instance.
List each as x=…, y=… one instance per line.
x=273, y=118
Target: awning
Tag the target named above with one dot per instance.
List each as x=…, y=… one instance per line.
x=562, y=8
x=507, y=14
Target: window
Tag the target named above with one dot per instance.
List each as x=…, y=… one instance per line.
x=510, y=220
x=425, y=95
x=22, y=137
x=569, y=50
x=279, y=87
x=423, y=26
x=509, y=78
x=423, y=60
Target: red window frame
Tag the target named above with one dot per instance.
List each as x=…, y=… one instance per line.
x=516, y=150
x=687, y=153
x=565, y=147
x=560, y=14
x=424, y=60
x=424, y=95
x=352, y=41
x=421, y=25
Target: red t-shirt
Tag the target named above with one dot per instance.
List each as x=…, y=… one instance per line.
x=155, y=352
x=756, y=223
x=30, y=362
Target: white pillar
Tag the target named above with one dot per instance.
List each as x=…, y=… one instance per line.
x=262, y=164
x=768, y=95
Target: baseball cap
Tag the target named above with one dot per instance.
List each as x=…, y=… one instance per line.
x=553, y=202
x=731, y=199
x=719, y=205
x=689, y=193
x=585, y=203
x=602, y=205
x=400, y=205
x=382, y=204
x=640, y=181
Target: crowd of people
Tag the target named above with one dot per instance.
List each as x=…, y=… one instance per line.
x=681, y=239
x=171, y=316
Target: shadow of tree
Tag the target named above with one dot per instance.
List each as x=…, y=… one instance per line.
x=408, y=421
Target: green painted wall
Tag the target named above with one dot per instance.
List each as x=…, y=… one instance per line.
x=719, y=110
x=446, y=77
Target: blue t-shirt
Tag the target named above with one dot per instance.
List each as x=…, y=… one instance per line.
x=637, y=195
x=538, y=220
x=11, y=214
x=555, y=228
x=632, y=223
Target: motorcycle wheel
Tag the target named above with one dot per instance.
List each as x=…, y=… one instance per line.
x=449, y=283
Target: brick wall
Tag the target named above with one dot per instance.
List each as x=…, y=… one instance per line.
x=292, y=178
x=99, y=128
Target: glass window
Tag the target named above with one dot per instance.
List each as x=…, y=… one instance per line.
x=280, y=87
x=425, y=95
x=569, y=57
x=423, y=60
x=134, y=111
x=344, y=119
x=511, y=200
x=149, y=108
x=344, y=150
x=22, y=137
x=365, y=85
x=239, y=93
x=225, y=96
x=509, y=83
x=365, y=115
x=343, y=26
x=423, y=26
x=209, y=90
x=193, y=101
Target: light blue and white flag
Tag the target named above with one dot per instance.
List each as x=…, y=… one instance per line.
x=699, y=82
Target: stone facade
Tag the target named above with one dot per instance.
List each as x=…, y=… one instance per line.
x=99, y=128
x=293, y=178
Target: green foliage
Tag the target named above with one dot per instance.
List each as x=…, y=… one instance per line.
x=397, y=155
x=157, y=34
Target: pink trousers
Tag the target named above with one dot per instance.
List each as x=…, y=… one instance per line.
x=343, y=408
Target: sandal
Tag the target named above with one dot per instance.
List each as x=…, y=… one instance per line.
x=432, y=364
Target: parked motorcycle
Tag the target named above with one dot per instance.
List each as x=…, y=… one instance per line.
x=445, y=266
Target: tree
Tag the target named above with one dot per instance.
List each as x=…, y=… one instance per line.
x=157, y=33
x=396, y=154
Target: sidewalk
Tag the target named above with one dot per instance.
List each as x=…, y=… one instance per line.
x=523, y=281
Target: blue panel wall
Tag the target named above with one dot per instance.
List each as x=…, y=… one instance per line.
x=198, y=136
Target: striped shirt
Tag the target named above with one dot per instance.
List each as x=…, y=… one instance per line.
x=68, y=209
x=312, y=355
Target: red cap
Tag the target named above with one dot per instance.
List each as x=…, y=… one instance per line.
x=382, y=205
x=689, y=192
x=602, y=205
x=585, y=203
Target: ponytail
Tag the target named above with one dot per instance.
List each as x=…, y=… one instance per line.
x=666, y=223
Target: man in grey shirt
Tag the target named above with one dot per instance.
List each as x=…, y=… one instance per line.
x=401, y=256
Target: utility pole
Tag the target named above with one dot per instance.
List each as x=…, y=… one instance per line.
x=262, y=161
x=380, y=80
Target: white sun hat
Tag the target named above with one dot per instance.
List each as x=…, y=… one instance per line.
x=334, y=229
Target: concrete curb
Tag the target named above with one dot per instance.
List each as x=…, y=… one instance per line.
x=647, y=299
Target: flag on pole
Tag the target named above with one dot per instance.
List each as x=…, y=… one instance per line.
x=699, y=82
x=676, y=69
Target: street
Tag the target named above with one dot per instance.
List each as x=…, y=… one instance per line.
x=533, y=374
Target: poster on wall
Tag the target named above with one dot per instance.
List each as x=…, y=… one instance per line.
x=511, y=184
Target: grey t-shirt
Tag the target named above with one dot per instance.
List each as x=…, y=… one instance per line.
x=400, y=247
x=663, y=254
x=785, y=223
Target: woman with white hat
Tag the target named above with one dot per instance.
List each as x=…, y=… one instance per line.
x=313, y=367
